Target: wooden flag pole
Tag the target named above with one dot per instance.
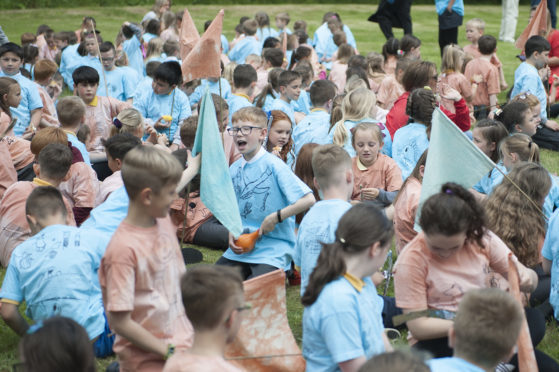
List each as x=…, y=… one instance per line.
x=99, y=56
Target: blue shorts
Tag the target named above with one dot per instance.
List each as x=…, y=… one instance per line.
x=103, y=346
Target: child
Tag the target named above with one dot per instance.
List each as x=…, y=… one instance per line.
x=244, y=81
x=119, y=84
x=272, y=58
x=484, y=332
x=214, y=302
x=70, y=286
x=165, y=98
x=290, y=89
x=30, y=57
x=69, y=61
x=279, y=140
x=116, y=147
x=395, y=361
x=28, y=113
x=411, y=47
x=377, y=178
x=342, y=323
x=40, y=349
x=375, y=62
x=282, y=20
x=358, y=106
x=131, y=46
x=391, y=52
x=213, y=85
x=71, y=112
x=147, y=330
x=486, y=136
x=333, y=176
x=52, y=168
x=451, y=75
x=247, y=45
x=485, y=99
x=314, y=127
x=8, y=174
x=302, y=106
x=264, y=30
x=543, y=137
x=10, y=96
x=151, y=31
x=406, y=203
x=44, y=72
x=49, y=50
x=339, y=66
x=268, y=194
x=303, y=170
x=169, y=27
x=518, y=118
x=271, y=91
x=450, y=15
x=99, y=111
x=391, y=86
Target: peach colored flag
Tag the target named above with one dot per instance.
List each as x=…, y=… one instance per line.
x=265, y=342
x=284, y=44
x=526, y=357
x=537, y=25
x=204, y=59
x=189, y=35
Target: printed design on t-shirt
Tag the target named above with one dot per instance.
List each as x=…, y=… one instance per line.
x=8, y=140
x=252, y=193
x=409, y=152
x=453, y=292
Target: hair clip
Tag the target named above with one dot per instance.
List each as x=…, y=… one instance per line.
x=400, y=52
x=35, y=327
x=522, y=96
x=117, y=123
x=449, y=192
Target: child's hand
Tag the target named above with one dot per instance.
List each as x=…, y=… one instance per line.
x=193, y=161
x=152, y=135
x=369, y=193
x=450, y=93
x=269, y=223
x=235, y=248
x=160, y=125
x=555, y=80
x=552, y=124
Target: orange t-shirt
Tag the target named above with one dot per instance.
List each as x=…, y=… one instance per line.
x=337, y=75
x=183, y=361
x=405, y=208
x=48, y=112
x=389, y=91
x=383, y=174
x=196, y=215
x=5, y=123
x=140, y=273
x=8, y=174
x=490, y=80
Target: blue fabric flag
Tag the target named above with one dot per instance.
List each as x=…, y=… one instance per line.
x=216, y=186
x=452, y=157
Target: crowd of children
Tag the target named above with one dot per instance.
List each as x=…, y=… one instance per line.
x=326, y=149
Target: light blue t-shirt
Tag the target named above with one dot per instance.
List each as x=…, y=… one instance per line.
x=527, y=79
x=152, y=106
x=286, y=108
x=147, y=37
x=342, y=324
x=144, y=87
x=224, y=44
x=135, y=59
x=552, y=199
x=244, y=47
x=490, y=180
x=324, y=42
x=80, y=146
x=350, y=124
x=119, y=85
x=268, y=101
x=318, y=226
x=409, y=143
x=263, y=33
x=200, y=90
x=236, y=102
x=262, y=186
x=30, y=100
x=457, y=7
x=55, y=273
x=452, y=364
x=313, y=128
x=550, y=251
x=303, y=104
x=69, y=60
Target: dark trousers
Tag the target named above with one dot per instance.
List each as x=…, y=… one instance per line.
x=551, y=6
x=398, y=12
x=248, y=270
x=547, y=138
x=212, y=234
x=448, y=36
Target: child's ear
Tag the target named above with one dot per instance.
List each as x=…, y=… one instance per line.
x=37, y=170
x=349, y=175
x=514, y=157
x=422, y=170
x=493, y=146
x=517, y=128
x=376, y=249
x=146, y=196
x=315, y=183
x=264, y=133
x=82, y=121
x=118, y=163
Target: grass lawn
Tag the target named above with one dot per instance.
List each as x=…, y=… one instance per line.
x=368, y=36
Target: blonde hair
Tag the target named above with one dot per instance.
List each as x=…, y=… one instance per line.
x=353, y=83
x=326, y=163
x=149, y=167
x=522, y=145
x=228, y=72
x=528, y=98
x=154, y=49
x=157, y=6
x=70, y=111
x=255, y=115
x=127, y=121
x=367, y=127
x=253, y=58
x=453, y=56
x=283, y=17
x=477, y=23
x=357, y=105
x=516, y=220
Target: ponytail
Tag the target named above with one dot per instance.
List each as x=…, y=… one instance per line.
x=340, y=133
x=358, y=229
x=452, y=211
x=420, y=106
x=522, y=145
x=5, y=85
x=273, y=85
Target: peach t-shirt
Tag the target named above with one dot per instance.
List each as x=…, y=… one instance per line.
x=140, y=273
x=404, y=213
x=390, y=65
x=196, y=216
x=383, y=174
x=457, y=81
x=337, y=75
x=109, y=184
x=5, y=123
x=473, y=50
x=20, y=151
x=99, y=115
x=48, y=111
x=8, y=174
x=490, y=80
x=423, y=280
x=183, y=361
x=82, y=187
x=389, y=91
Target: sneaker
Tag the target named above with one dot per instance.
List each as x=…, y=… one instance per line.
x=504, y=367
x=191, y=256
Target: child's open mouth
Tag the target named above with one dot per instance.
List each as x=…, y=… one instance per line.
x=241, y=144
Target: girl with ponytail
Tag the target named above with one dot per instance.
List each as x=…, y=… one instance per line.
x=342, y=322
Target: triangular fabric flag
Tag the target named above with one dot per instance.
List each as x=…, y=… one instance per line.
x=265, y=342
x=204, y=59
x=537, y=25
x=214, y=170
x=452, y=157
x=526, y=357
x=189, y=35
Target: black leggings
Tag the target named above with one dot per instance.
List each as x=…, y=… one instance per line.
x=449, y=36
x=212, y=234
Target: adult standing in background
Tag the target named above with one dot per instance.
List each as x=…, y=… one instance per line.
x=451, y=13
x=508, y=20
x=393, y=13
x=159, y=7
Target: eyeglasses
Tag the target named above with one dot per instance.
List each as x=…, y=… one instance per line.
x=245, y=131
x=246, y=306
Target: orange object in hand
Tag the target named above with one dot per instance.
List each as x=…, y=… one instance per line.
x=247, y=241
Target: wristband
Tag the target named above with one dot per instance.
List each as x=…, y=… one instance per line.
x=170, y=351
x=278, y=213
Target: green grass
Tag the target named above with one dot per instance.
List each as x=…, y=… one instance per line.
x=369, y=38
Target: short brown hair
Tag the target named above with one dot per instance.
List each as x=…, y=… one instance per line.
x=250, y=26
x=327, y=161
x=210, y=293
x=283, y=16
x=55, y=160
x=487, y=326
x=395, y=361
x=188, y=131
x=70, y=110
x=47, y=136
x=149, y=167
x=44, y=69
x=417, y=75
x=254, y=115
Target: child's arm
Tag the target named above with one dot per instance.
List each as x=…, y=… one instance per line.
x=191, y=171
x=299, y=206
x=13, y=318
x=427, y=328
x=135, y=29
x=121, y=322
x=492, y=101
